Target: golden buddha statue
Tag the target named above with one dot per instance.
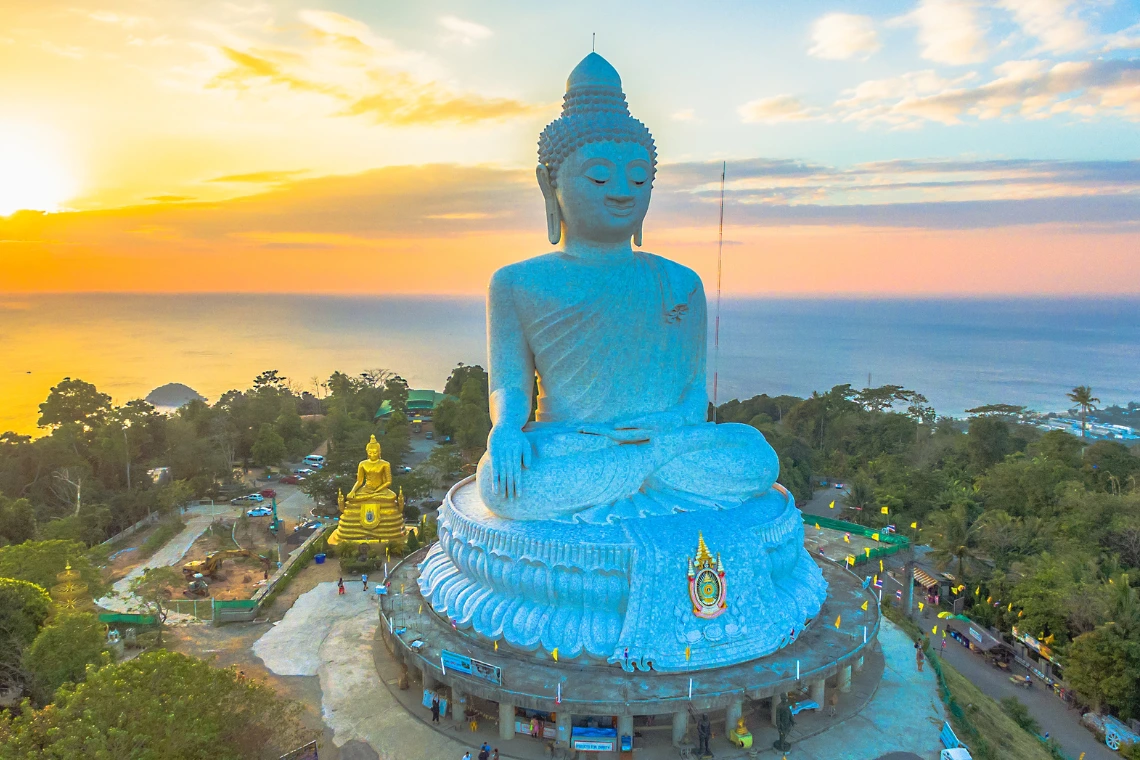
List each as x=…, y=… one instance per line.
x=371, y=512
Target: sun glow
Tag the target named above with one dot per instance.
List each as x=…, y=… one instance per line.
x=32, y=174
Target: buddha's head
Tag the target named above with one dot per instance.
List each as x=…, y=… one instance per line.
x=595, y=162
x=373, y=449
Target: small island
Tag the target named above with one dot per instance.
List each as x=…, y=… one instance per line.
x=173, y=396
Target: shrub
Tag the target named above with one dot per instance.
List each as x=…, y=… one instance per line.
x=1013, y=707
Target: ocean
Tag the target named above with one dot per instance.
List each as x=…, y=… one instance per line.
x=958, y=353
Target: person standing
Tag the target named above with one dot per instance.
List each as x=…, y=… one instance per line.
x=495, y=754
x=435, y=708
x=467, y=755
x=340, y=587
x=364, y=580
x=918, y=658
x=832, y=702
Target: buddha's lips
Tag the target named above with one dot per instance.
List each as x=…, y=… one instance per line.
x=618, y=208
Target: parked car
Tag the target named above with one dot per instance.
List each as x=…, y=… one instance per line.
x=290, y=480
x=255, y=497
x=310, y=525
x=239, y=499
x=404, y=469
x=429, y=435
x=302, y=471
x=260, y=512
x=315, y=460
x=269, y=493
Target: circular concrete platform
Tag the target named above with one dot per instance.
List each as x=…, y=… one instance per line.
x=831, y=646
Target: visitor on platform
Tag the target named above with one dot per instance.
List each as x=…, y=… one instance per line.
x=340, y=587
x=495, y=754
x=918, y=658
x=832, y=702
x=435, y=708
x=364, y=580
x=467, y=755
x=485, y=752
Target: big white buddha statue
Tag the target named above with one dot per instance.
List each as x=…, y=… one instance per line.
x=620, y=525
x=617, y=338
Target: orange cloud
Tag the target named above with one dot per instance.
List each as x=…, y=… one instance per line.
x=445, y=228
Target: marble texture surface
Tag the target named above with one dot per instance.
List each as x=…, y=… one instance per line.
x=577, y=532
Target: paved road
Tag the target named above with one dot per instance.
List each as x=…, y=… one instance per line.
x=820, y=501
x=1058, y=719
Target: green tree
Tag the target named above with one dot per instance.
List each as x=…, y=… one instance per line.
x=1104, y=667
x=988, y=442
x=40, y=562
x=1082, y=397
x=74, y=402
x=953, y=539
x=269, y=448
x=397, y=440
x=62, y=651
x=158, y=706
x=153, y=590
x=17, y=520
x=23, y=609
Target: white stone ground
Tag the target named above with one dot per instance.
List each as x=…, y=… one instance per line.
x=332, y=637
x=121, y=599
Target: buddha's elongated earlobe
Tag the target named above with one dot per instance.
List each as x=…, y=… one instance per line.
x=553, y=213
x=637, y=234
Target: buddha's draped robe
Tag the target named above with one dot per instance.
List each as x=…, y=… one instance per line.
x=611, y=341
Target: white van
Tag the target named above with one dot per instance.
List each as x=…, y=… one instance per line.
x=315, y=460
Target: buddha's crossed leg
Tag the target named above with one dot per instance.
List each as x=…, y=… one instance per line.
x=570, y=472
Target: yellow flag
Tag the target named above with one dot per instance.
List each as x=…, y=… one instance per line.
x=421, y=609
x=868, y=550
x=1020, y=613
x=837, y=619
x=978, y=591
x=688, y=653
x=864, y=607
x=817, y=526
x=496, y=645
x=1009, y=608
x=850, y=560
x=885, y=511
x=846, y=538
x=920, y=606
x=1049, y=639
x=880, y=566
x=874, y=536
x=876, y=581
x=831, y=505
x=914, y=525
x=989, y=600
x=934, y=630
x=401, y=588
x=554, y=653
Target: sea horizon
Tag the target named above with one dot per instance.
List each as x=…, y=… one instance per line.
x=959, y=351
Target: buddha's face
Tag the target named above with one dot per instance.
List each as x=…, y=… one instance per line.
x=374, y=453
x=603, y=191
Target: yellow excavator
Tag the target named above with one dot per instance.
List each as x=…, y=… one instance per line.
x=210, y=566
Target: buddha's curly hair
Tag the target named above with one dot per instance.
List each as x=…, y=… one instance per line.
x=591, y=114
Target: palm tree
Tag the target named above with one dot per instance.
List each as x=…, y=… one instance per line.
x=955, y=538
x=1082, y=397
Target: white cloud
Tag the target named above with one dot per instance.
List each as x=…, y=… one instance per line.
x=780, y=108
x=1125, y=39
x=463, y=31
x=1054, y=23
x=1030, y=89
x=949, y=31
x=687, y=114
x=840, y=36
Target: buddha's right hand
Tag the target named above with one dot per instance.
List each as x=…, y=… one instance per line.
x=510, y=450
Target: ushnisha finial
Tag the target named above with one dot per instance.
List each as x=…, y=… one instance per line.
x=593, y=110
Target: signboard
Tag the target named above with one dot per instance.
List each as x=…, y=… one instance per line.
x=463, y=664
x=429, y=695
x=594, y=739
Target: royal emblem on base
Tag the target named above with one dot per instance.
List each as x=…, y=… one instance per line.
x=707, y=585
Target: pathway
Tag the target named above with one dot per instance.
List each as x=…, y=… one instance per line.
x=121, y=599
x=1061, y=721
x=333, y=637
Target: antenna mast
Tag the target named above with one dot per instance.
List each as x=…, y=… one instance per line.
x=719, y=269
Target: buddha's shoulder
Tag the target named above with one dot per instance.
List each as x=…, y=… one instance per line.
x=681, y=275
x=529, y=271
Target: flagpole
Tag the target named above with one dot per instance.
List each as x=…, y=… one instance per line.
x=719, y=270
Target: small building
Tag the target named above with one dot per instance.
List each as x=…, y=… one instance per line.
x=421, y=404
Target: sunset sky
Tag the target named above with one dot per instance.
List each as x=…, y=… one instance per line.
x=898, y=148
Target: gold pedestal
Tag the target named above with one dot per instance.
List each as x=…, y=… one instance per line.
x=369, y=523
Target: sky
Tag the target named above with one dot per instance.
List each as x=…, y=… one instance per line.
x=917, y=147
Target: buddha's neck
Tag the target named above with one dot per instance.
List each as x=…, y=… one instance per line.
x=591, y=250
